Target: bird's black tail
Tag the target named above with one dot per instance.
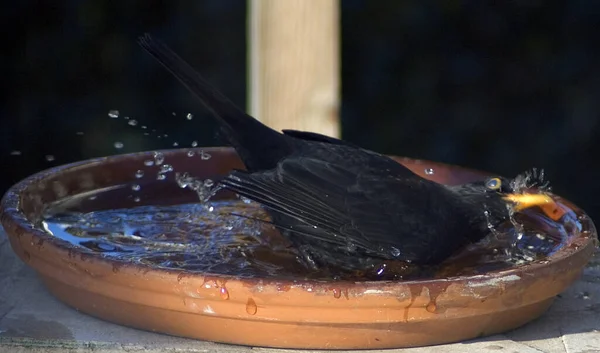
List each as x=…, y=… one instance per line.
x=248, y=136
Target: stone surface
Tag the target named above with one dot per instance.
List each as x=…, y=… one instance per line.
x=31, y=320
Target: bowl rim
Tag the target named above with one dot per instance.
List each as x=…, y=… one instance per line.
x=13, y=218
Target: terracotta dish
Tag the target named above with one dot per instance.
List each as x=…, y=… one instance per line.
x=263, y=311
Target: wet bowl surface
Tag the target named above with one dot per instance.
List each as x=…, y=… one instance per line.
x=266, y=311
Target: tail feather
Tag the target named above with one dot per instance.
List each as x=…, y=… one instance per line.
x=247, y=135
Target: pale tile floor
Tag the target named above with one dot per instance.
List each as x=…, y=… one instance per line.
x=33, y=321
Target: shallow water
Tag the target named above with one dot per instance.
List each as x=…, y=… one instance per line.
x=224, y=237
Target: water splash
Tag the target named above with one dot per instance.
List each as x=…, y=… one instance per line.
x=205, y=189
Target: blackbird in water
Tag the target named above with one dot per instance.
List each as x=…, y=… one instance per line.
x=342, y=205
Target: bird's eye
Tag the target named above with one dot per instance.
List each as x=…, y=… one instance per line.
x=493, y=183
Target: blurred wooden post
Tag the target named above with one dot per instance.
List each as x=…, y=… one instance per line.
x=295, y=64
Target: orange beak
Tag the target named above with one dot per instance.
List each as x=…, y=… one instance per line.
x=551, y=208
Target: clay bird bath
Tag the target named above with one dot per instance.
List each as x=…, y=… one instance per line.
x=269, y=311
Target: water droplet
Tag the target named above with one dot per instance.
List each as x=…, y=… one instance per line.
x=148, y=163
x=159, y=158
x=429, y=171
x=161, y=177
x=113, y=114
x=224, y=293
x=381, y=269
x=251, y=307
x=139, y=173
x=584, y=295
x=146, y=134
x=175, y=144
x=118, y=145
x=126, y=117
x=132, y=122
x=337, y=293
x=211, y=208
x=15, y=153
x=174, y=114
x=165, y=135
x=208, y=183
x=79, y=133
x=136, y=199
x=204, y=156
x=189, y=116
x=144, y=127
x=191, y=153
x=136, y=187
x=431, y=307
x=194, y=143
x=50, y=158
x=166, y=168
x=395, y=252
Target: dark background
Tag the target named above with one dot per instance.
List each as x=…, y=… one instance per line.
x=499, y=86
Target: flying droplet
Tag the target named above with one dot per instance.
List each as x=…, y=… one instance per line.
x=136, y=187
x=136, y=199
x=126, y=117
x=208, y=183
x=139, y=173
x=118, y=145
x=191, y=153
x=132, y=122
x=194, y=143
x=144, y=127
x=204, y=156
x=148, y=163
x=159, y=158
x=429, y=171
x=381, y=269
x=166, y=168
x=395, y=252
x=15, y=153
x=79, y=133
x=113, y=114
x=161, y=177
x=175, y=144
x=189, y=116
x=174, y=114
x=49, y=158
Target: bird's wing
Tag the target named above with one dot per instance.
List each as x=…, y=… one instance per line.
x=328, y=202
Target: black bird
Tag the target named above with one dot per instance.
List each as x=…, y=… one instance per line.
x=342, y=205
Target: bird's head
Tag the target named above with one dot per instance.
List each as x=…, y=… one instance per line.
x=495, y=198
